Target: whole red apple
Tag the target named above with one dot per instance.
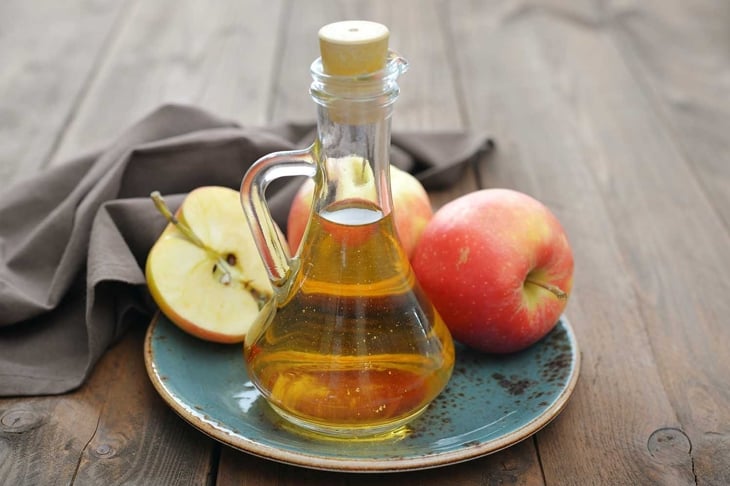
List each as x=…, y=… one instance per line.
x=411, y=210
x=498, y=267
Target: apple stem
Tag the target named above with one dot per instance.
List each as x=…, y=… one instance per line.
x=188, y=232
x=226, y=270
x=184, y=228
x=557, y=291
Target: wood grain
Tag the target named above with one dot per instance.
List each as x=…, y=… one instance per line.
x=599, y=133
x=678, y=53
x=116, y=426
x=215, y=55
x=552, y=147
x=137, y=436
x=41, y=439
x=613, y=113
x=506, y=467
x=49, y=51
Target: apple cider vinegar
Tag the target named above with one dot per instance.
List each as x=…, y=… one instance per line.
x=357, y=346
x=348, y=345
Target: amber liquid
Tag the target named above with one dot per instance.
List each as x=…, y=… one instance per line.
x=356, y=348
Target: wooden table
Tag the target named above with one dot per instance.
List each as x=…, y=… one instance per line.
x=616, y=114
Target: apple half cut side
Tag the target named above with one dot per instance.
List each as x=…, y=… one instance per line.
x=204, y=272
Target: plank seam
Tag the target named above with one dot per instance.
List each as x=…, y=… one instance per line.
x=215, y=459
x=536, y=445
x=88, y=442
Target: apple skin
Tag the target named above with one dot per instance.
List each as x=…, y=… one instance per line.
x=475, y=258
x=411, y=210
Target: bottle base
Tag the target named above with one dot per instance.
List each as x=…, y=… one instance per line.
x=395, y=429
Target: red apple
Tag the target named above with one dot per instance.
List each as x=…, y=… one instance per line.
x=411, y=210
x=498, y=267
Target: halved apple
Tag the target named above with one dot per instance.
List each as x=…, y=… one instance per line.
x=204, y=271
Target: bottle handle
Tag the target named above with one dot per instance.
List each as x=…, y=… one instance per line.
x=253, y=188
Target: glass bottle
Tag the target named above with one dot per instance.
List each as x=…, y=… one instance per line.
x=349, y=345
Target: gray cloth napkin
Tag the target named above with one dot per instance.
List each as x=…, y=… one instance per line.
x=74, y=238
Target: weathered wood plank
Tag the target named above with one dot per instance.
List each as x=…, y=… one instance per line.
x=218, y=56
x=49, y=50
x=138, y=438
x=669, y=195
x=573, y=127
x=114, y=427
x=534, y=107
x=678, y=52
x=41, y=439
x=506, y=467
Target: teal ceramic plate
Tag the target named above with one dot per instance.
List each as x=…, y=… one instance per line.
x=491, y=403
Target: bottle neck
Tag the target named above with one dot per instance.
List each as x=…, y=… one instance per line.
x=352, y=149
x=354, y=160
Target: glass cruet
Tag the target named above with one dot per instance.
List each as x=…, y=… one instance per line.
x=349, y=345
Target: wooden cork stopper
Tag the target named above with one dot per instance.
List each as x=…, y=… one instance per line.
x=353, y=47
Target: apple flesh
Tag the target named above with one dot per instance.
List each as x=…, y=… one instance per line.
x=498, y=267
x=411, y=209
x=204, y=272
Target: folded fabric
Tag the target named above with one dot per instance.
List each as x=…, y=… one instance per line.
x=74, y=238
